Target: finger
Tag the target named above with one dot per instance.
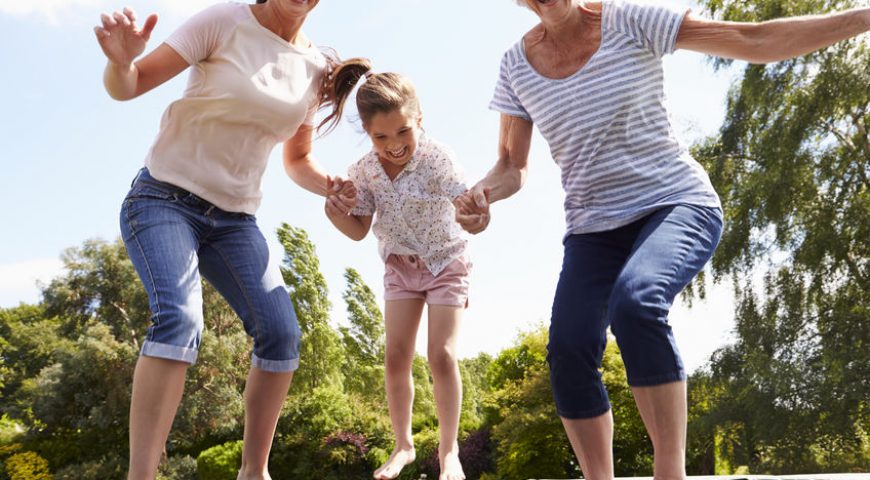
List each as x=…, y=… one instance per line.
x=130, y=14
x=480, y=198
x=486, y=193
x=108, y=21
x=148, y=27
x=101, y=33
x=336, y=207
x=121, y=19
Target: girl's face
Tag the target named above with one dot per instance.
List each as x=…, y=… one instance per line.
x=394, y=136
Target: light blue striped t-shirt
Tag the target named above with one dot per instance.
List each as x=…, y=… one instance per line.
x=607, y=124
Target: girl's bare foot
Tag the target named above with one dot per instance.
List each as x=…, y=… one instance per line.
x=451, y=469
x=395, y=464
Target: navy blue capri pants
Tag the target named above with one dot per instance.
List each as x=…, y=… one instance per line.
x=626, y=279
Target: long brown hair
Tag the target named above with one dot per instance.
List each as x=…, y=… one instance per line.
x=381, y=93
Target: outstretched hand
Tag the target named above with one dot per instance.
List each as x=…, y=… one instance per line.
x=472, y=209
x=340, y=196
x=121, y=40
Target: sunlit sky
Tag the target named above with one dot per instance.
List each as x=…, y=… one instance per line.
x=68, y=151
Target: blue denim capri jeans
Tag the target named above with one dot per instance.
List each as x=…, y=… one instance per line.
x=173, y=237
x=626, y=279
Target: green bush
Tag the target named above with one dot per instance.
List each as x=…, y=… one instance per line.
x=220, y=462
x=27, y=466
x=110, y=467
x=178, y=468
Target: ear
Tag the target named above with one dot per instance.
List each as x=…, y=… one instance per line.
x=420, y=121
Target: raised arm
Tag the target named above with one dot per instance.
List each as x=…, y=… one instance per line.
x=505, y=179
x=122, y=41
x=774, y=40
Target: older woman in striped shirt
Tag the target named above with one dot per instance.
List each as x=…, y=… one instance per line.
x=642, y=216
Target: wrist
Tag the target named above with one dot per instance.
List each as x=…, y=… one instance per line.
x=121, y=68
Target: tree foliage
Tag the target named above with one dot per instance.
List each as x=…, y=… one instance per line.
x=790, y=163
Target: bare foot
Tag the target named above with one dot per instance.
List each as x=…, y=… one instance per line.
x=451, y=469
x=395, y=464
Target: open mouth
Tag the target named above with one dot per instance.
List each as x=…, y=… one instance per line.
x=397, y=153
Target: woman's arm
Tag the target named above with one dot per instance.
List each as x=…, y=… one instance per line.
x=122, y=41
x=774, y=40
x=300, y=165
x=505, y=179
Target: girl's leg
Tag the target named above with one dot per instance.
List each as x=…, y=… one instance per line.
x=401, y=319
x=443, y=329
x=672, y=246
x=264, y=396
x=157, y=388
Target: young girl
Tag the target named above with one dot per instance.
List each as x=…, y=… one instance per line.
x=409, y=181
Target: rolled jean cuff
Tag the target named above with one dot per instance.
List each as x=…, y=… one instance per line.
x=169, y=352
x=679, y=376
x=275, y=366
x=578, y=415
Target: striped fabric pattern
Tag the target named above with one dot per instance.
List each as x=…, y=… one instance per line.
x=607, y=124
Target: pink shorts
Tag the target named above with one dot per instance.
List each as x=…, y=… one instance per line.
x=407, y=277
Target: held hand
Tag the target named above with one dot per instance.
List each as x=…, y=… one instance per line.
x=341, y=196
x=120, y=38
x=472, y=209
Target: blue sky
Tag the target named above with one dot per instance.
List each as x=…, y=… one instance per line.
x=69, y=151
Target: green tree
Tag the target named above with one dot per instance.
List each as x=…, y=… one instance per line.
x=790, y=163
x=99, y=283
x=321, y=353
x=363, y=340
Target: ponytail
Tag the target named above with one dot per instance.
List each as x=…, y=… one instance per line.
x=337, y=87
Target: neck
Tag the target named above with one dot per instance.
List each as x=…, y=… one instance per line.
x=281, y=24
x=564, y=26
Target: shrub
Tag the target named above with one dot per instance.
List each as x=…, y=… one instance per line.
x=27, y=466
x=220, y=462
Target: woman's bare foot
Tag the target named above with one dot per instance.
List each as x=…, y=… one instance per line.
x=396, y=463
x=451, y=469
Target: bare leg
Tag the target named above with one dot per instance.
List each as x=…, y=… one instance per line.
x=158, y=385
x=443, y=329
x=592, y=441
x=401, y=319
x=663, y=410
x=264, y=396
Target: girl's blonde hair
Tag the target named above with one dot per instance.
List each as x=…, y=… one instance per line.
x=381, y=93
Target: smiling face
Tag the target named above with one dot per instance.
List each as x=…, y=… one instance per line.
x=394, y=136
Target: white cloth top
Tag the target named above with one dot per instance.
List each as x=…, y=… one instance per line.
x=607, y=125
x=414, y=213
x=248, y=91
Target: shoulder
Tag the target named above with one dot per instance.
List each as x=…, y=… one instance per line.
x=358, y=168
x=438, y=154
x=513, y=56
x=439, y=149
x=227, y=13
